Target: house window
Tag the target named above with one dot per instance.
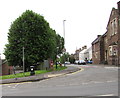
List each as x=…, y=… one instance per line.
x=112, y=28
x=110, y=50
x=94, y=47
x=96, y=54
x=114, y=51
x=106, y=41
x=115, y=25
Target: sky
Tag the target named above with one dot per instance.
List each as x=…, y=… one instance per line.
x=85, y=19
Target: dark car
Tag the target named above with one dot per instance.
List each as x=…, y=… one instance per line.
x=89, y=62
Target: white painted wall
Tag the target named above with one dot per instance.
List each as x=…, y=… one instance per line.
x=87, y=53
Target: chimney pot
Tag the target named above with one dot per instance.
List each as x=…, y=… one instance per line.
x=98, y=36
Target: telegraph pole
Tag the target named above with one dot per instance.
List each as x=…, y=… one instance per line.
x=23, y=60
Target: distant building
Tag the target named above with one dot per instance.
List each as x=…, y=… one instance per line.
x=77, y=52
x=85, y=54
x=88, y=54
x=106, y=48
x=82, y=55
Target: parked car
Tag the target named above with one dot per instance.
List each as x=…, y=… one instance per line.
x=67, y=62
x=76, y=62
x=89, y=62
x=81, y=62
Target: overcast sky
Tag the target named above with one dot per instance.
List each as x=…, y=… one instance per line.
x=85, y=19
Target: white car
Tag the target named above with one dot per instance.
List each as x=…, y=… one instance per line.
x=67, y=62
x=82, y=62
x=76, y=62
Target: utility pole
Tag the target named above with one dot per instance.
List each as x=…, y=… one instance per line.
x=23, y=60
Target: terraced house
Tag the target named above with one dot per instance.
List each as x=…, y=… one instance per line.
x=106, y=47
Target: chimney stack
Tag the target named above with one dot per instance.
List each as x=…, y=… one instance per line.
x=85, y=47
x=80, y=49
x=118, y=7
x=98, y=36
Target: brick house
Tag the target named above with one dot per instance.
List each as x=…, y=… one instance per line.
x=106, y=48
x=112, y=37
x=77, y=54
x=97, y=50
x=6, y=70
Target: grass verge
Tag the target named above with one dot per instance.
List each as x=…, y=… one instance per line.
x=26, y=74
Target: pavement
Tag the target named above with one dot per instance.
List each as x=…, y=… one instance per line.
x=68, y=70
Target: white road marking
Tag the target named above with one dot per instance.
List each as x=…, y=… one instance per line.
x=73, y=84
x=60, y=85
x=111, y=67
x=15, y=86
x=85, y=83
x=112, y=81
x=98, y=82
x=106, y=95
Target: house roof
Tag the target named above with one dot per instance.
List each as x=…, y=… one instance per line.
x=99, y=38
x=83, y=51
x=104, y=35
x=113, y=10
x=96, y=40
x=89, y=49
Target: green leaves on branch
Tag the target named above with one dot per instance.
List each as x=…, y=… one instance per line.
x=33, y=32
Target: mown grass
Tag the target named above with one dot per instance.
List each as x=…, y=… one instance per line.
x=26, y=74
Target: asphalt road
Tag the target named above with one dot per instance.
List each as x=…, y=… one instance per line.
x=91, y=81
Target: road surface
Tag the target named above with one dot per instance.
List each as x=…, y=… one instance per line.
x=93, y=80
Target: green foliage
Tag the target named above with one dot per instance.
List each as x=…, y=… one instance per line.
x=64, y=57
x=60, y=44
x=33, y=32
x=72, y=60
x=26, y=74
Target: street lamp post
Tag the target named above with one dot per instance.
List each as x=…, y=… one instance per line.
x=64, y=29
x=64, y=39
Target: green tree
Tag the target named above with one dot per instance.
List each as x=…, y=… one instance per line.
x=32, y=32
x=72, y=59
x=60, y=44
x=64, y=57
